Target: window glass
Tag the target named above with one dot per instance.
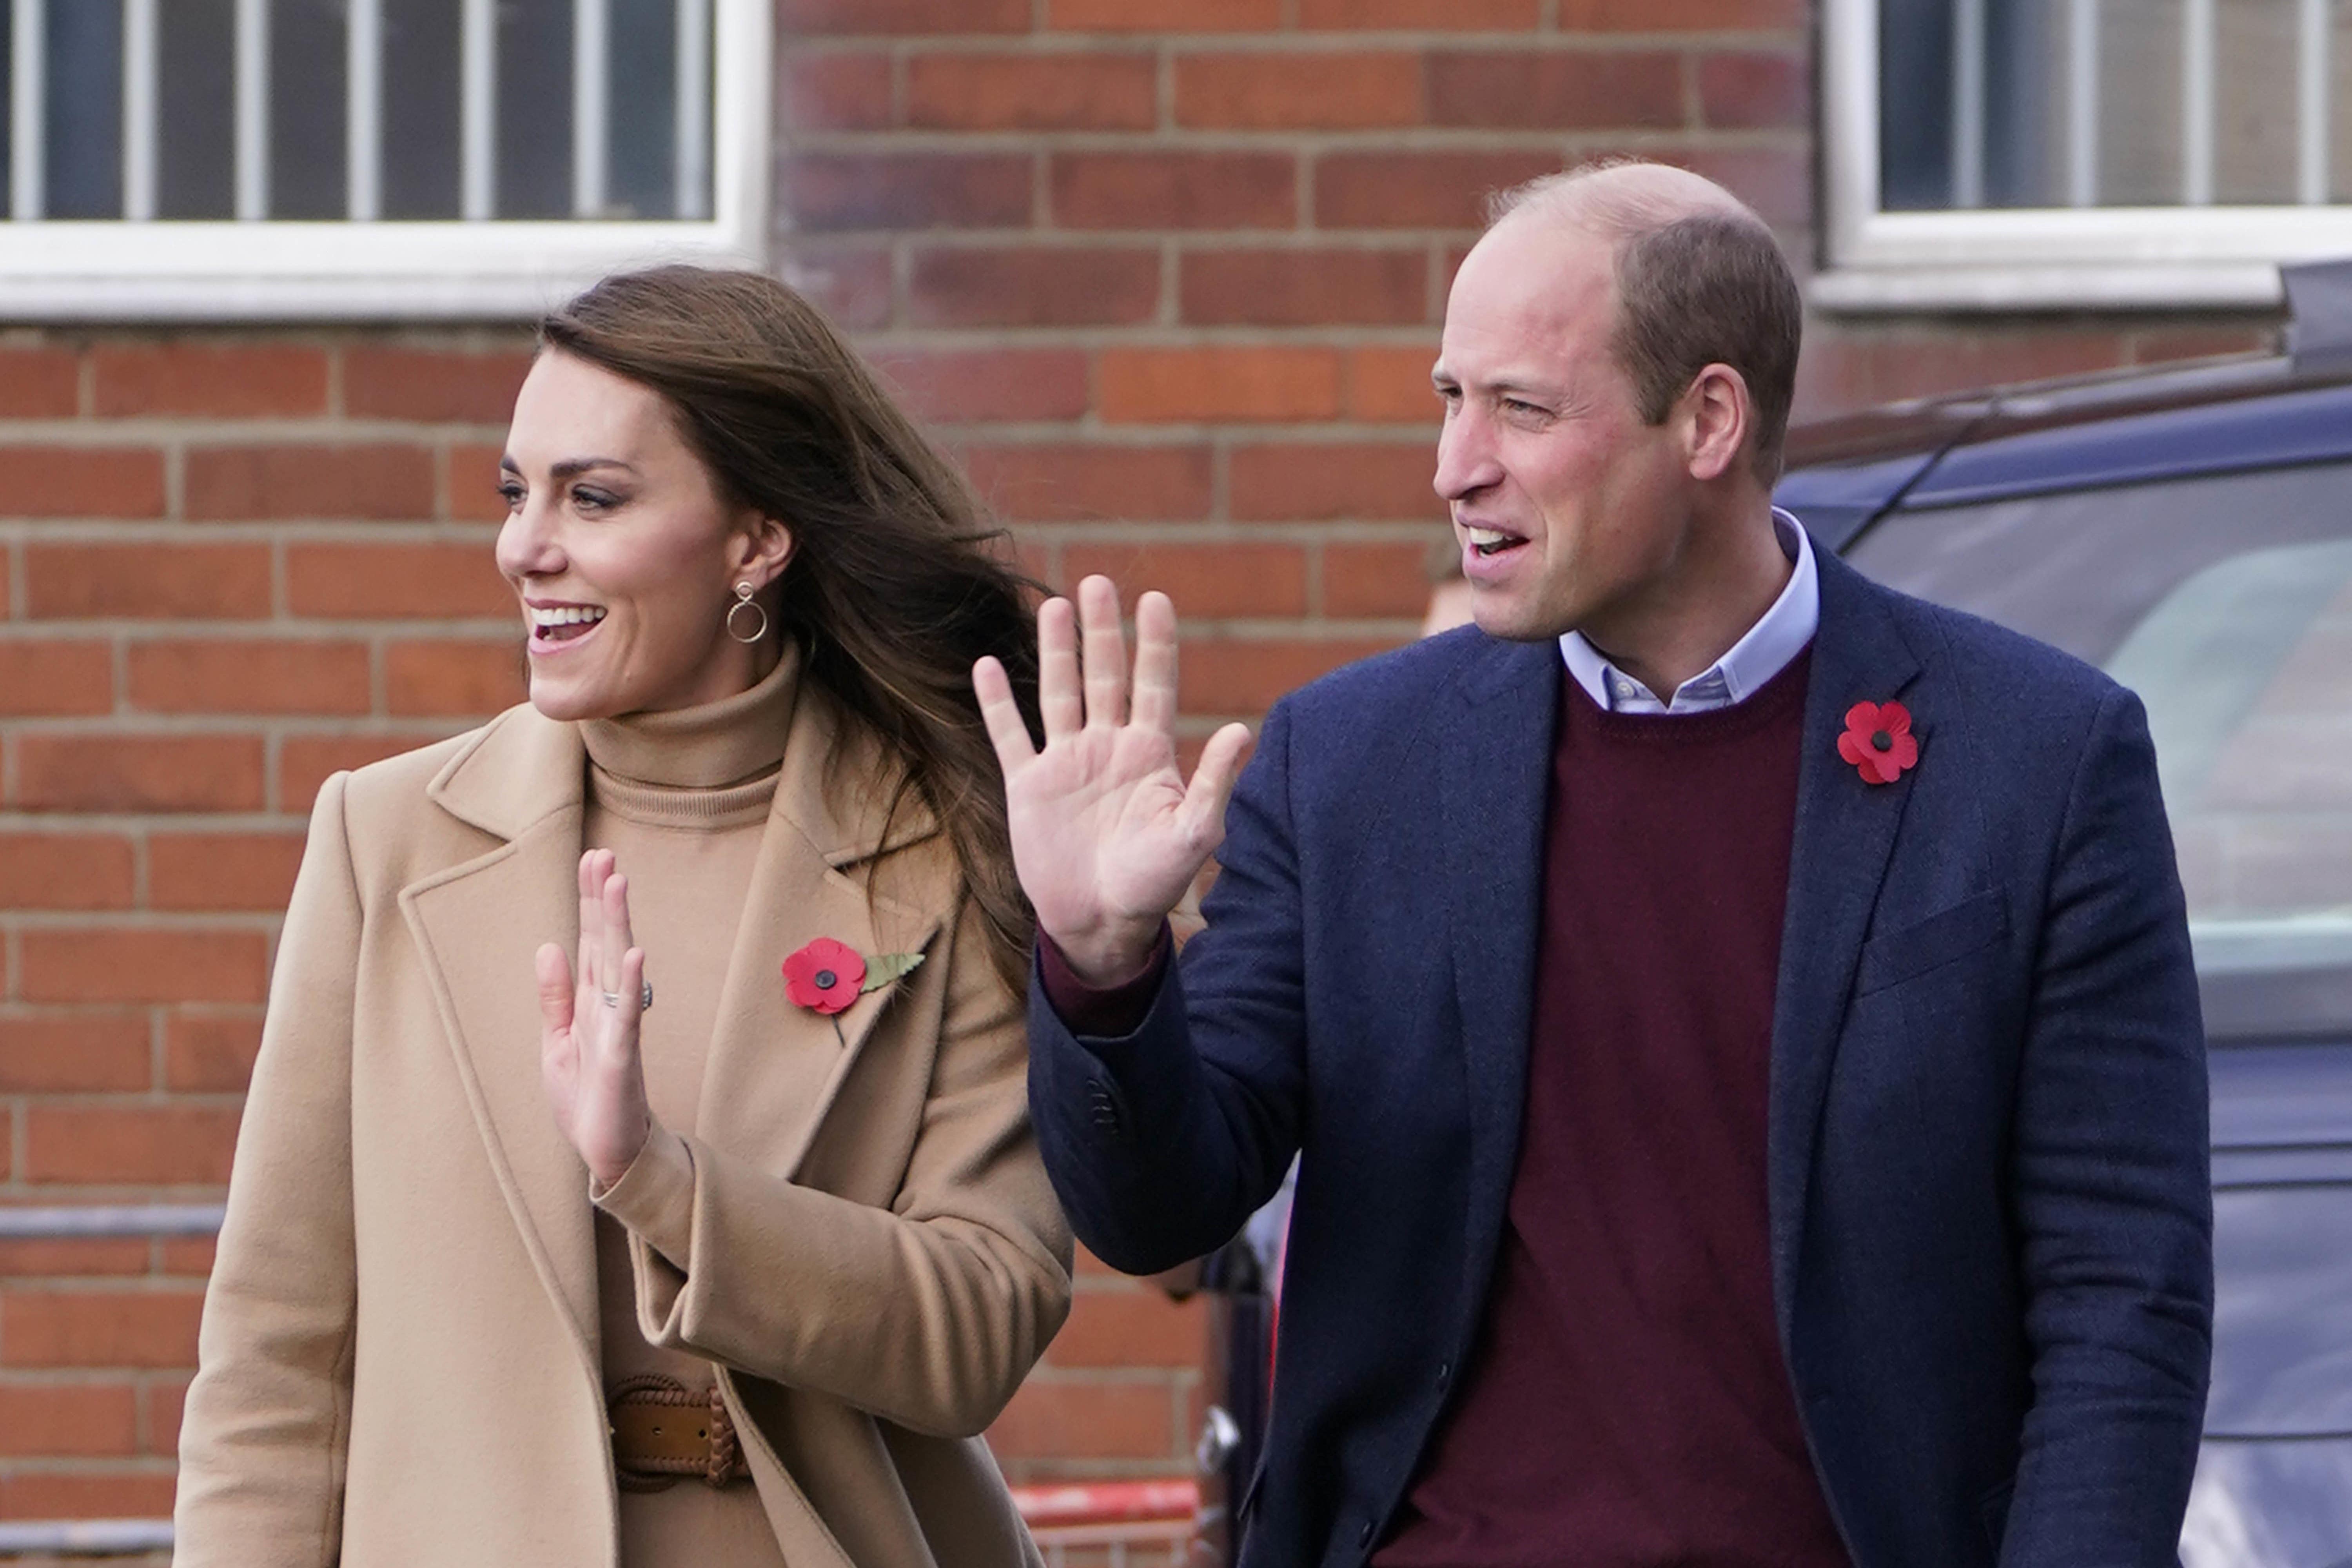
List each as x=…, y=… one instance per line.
x=2226, y=603
x=82, y=117
x=2052, y=103
x=196, y=149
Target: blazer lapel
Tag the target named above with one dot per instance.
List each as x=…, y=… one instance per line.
x=1497, y=748
x=774, y=1068
x=1845, y=832
x=477, y=926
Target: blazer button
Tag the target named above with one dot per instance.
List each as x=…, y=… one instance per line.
x=1444, y=1374
x=1364, y=1536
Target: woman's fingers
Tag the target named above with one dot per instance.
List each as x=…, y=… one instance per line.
x=1008, y=732
x=592, y=919
x=1154, y=706
x=555, y=995
x=619, y=944
x=1106, y=654
x=1058, y=701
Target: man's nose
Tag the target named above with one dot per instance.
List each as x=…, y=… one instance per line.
x=1465, y=457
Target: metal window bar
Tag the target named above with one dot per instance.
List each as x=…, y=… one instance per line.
x=693, y=99
x=477, y=69
x=1967, y=103
x=363, y=110
x=252, y=94
x=28, y=81
x=140, y=88
x=2197, y=65
x=2314, y=113
x=2083, y=102
x=592, y=91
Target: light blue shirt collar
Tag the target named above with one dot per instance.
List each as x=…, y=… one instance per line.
x=1764, y=652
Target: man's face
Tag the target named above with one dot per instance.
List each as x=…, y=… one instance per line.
x=1566, y=504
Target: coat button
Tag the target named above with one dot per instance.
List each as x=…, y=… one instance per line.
x=1364, y=1536
x=1444, y=1374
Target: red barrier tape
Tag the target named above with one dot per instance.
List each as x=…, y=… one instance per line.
x=1108, y=1502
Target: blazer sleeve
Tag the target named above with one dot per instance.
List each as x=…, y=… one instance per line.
x=1163, y=1142
x=927, y=1313
x=264, y=1434
x=2110, y=1180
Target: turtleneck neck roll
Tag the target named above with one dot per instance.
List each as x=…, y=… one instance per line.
x=733, y=741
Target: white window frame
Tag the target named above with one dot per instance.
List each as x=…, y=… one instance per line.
x=358, y=269
x=2070, y=257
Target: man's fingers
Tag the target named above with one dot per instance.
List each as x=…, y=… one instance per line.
x=1058, y=701
x=1154, y=706
x=1106, y=653
x=1203, y=812
x=1007, y=730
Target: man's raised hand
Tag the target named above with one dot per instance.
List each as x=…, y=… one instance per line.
x=1106, y=835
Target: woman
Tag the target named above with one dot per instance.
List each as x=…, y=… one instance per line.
x=734, y=1267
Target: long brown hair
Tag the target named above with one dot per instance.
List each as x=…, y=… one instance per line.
x=897, y=581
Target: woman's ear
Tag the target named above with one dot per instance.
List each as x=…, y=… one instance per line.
x=760, y=549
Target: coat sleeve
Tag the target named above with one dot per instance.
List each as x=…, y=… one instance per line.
x=927, y=1313
x=1163, y=1142
x=2111, y=1181
x=263, y=1435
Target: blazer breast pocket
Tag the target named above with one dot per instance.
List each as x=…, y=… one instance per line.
x=1966, y=927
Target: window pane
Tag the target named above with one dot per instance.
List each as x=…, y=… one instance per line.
x=307, y=116
x=642, y=139
x=7, y=106
x=83, y=118
x=2022, y=103
x=534, y=109
x=420, y=109
x=196, y=158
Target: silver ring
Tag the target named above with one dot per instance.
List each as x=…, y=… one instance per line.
x=644, y=997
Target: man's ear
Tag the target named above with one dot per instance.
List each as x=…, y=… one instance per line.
x=760, y=550
x=1716, y=416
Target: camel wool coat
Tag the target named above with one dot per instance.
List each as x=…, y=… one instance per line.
x=399, y=1355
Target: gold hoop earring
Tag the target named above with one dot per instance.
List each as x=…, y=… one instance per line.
x=743, y=592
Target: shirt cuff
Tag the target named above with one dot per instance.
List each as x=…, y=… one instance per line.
x=655, y=1196
x=1097, y=1012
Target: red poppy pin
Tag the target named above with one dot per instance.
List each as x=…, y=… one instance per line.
x=827, y=975
x=1878, y=741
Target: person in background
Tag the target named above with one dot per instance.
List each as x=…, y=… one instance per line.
x=1737, y=1022
x=636, y=1168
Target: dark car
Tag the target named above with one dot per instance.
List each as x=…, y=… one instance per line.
x=2189, y=529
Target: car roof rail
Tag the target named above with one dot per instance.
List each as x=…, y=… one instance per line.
x=2320, y=307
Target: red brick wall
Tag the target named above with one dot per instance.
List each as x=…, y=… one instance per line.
x=1168, y=274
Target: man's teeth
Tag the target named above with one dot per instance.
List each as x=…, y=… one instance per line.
x=1487, y=540
x=569, y=616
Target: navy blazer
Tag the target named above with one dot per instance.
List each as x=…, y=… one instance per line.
x=1988, y=1201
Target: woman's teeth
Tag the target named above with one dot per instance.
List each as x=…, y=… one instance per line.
x=557, y=623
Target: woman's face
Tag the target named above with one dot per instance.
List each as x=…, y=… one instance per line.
x=623, y=552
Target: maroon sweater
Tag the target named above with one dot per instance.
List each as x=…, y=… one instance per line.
x=1627, y=1402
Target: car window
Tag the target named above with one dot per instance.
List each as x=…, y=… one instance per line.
x=2226, y=603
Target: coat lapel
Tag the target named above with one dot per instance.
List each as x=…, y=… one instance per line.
x=1845, y=833
x=477, y=926
x=1497, y=777
x=774, y=1068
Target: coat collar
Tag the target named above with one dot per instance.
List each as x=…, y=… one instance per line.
x=773, y=1069
x=1844, y=838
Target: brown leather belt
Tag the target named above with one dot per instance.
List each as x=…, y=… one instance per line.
x=663, y=1432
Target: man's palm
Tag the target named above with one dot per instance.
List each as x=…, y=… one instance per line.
x=1106, y=835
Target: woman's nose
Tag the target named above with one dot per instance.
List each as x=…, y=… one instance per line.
x=527, y=543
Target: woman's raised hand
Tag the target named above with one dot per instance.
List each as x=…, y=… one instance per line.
x=1106, y=835
x=588, y=1046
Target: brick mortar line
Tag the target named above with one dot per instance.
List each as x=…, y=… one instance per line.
x=254, y=921
x=1404, y=41
x=278, y=626
x=207, y=432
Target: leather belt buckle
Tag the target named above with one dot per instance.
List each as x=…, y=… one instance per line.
x=663, y=1432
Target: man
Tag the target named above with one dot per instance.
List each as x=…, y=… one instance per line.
x=1737, y=1022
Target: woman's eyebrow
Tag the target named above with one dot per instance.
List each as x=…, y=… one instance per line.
x=572, y=467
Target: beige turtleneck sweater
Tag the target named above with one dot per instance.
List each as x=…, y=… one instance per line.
x=681, y=799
